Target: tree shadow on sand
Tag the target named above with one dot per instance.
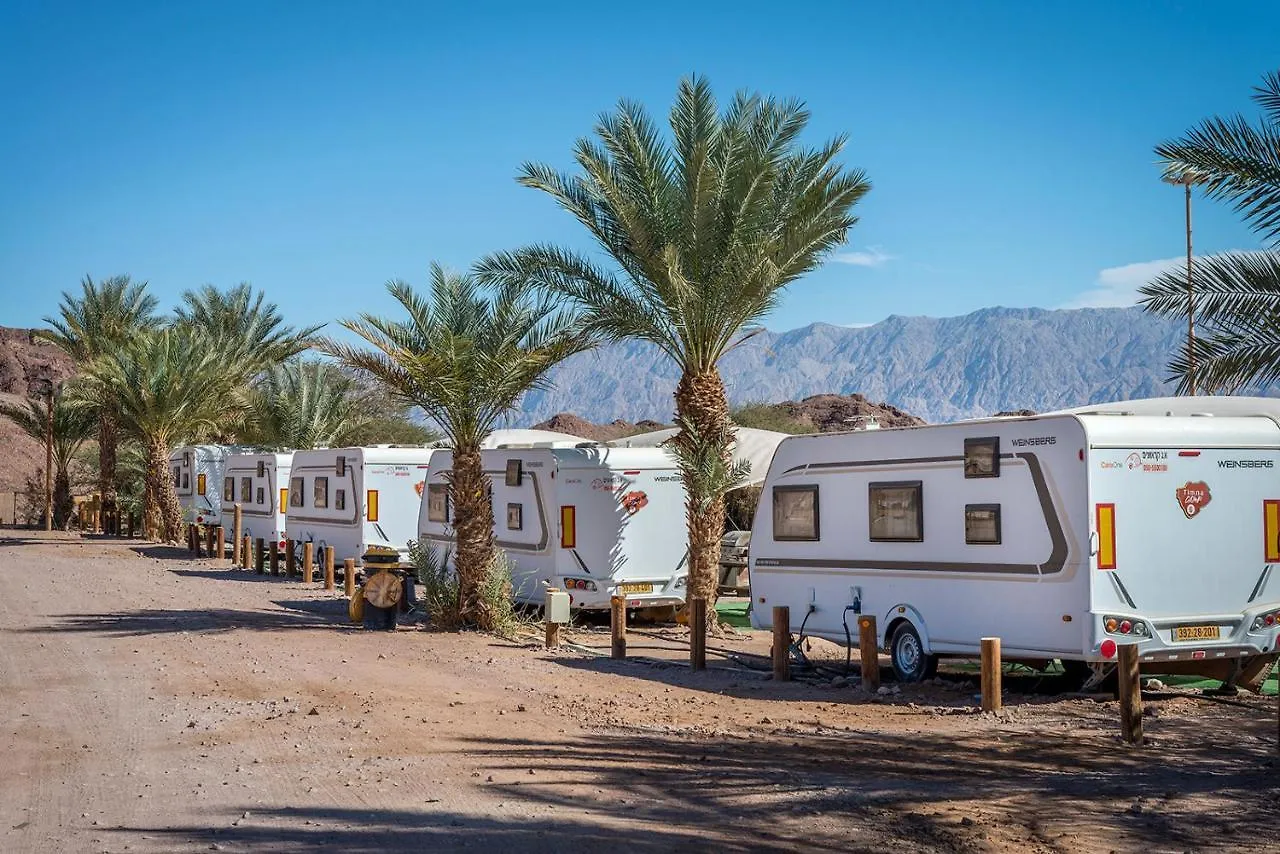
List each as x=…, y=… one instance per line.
x=300, y=614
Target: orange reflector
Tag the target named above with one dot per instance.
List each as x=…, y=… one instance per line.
x=1106, y=536
x=371, y=505
x=284, y=500
x=568, y=527
x=1271, y=530
x=199, y=484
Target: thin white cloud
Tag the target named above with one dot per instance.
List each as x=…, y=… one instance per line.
x=1117, y=287
x=857, y=325
x=872, y=256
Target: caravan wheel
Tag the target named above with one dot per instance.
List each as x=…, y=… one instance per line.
x=906, y=652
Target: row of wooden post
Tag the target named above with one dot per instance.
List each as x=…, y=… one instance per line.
x=249, y=553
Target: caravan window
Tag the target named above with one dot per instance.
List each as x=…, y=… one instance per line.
x=896, y=511
x=246, y=489
x=982, y=457
x=982, y=524
x=177, y=477
x=795, y=512
x=262, y=468
x=228, y=489
x=321, y=492
x=437, y=502
x=295, y=492
x=339, y=499
x=515, y=517
x=186, y=480
x=262, y=495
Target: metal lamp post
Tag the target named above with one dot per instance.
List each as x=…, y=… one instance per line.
x=1187, y=179
x=44, y=387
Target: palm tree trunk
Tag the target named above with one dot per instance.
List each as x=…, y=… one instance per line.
x=161, y=513
x=702, y=402
x=108, y=442
x=473, y=525
x=62, y=501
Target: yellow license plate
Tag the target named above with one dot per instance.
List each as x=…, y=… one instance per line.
x=636, y=588
x=1195, y=633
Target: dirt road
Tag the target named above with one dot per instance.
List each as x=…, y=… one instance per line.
x=152, y=703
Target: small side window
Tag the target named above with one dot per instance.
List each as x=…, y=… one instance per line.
x=177, y=476
x=228, y=489
x=982, y=524
x=341, y=468
x=896, y=511
x=982, y=457
x=262, y=468
x=437, y=502
x=186, y=480
x=515, y=471
x=262, y=495
x=795, y=513
x=339, y=499
x=321, y=492
x=246, y=489
x=295, y=492
x=515, y=517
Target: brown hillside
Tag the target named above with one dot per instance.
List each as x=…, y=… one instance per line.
x=21, y=362
x=567, y=422
x=830, y=413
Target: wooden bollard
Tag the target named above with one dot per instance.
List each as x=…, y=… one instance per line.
x=618, y=625
x=192, y=541
x=246, y=552
x=698, y=633
x=869, y=652
x=220, y=540
x=132, y=526
x=308, y=562
x=329, y=583
x=289, y=558
x=1130, y=693
x=781, y=643
x=237, y=525
x=349, y=576
x=259, y=555
x=991, y=687
x=274, y=553
x=211, y=539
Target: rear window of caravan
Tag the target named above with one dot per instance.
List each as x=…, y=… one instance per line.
x=982, y=524
x=295, y=492
x=321, y=492
x=795, y=512
x=437, y=502
x=228, y=489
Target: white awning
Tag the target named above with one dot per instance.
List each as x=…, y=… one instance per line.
x=756, y=447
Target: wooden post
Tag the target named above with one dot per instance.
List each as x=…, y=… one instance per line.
x=618, y=625
x=192, y=541
x=781, y=643
x=259, y=555
x=246, y=552
x=275, y=556
x=211, y=539
x=289, y=558
x=1130, y=693
x=329, y=583
x=197, y=536
x=869, y=652
x=220, y=540
x=349, y=576
x=237, y=525
x=698, y=633
x=991, y=700
x=308, y=561
x=132, y=525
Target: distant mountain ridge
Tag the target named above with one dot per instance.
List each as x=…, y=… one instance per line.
x=941, y=369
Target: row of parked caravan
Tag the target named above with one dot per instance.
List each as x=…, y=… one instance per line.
x=593, y=519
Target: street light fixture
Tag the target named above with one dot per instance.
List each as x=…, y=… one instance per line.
x=1187, y=178
x=44, y=387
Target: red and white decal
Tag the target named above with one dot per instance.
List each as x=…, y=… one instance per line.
x=1193, y=497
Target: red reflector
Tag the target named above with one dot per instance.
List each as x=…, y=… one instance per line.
x=1198, y=654
x=1126, y=627
x=637, y=471
x=1188, y=453
x=1108, y=648
x=199, y=519
x=1082, y=455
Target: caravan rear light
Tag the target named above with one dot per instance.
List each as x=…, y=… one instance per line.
x=199, y=520
x=282, y=545
x=1125, y=627
x=1111, y=624
x=1108, y=648
x=1265, y=621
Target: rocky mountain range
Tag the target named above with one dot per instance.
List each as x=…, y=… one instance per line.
x=941, y=369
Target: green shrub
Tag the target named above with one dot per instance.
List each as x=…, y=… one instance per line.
x=439, y=590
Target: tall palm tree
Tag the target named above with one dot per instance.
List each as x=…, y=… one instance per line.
x=72, y=426
x=101, y=318
x=244, y=324
x=465, y=356
x=171, y=386
x=706, y=229
x=305, y=405
x=1237, y=295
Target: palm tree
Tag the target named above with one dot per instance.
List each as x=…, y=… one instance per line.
x=305, y=405
x=101, y=318
x=245, y=324
x=72, y=426
x=465, y=356
x=171, y=386
x=1237, y=294
x=706, y=230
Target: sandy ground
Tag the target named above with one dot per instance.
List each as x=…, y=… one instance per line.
x=153, y=703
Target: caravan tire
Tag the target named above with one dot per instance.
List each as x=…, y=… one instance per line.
x=906, y=653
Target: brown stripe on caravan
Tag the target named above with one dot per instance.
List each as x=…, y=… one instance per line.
x=1057, y=555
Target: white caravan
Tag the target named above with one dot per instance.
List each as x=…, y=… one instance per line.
x=349, y=499
x=1062, y=534
x=197, y=478
x=259, y=483
x=593, y=520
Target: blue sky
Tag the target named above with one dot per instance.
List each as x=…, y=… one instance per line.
x=319, y=149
